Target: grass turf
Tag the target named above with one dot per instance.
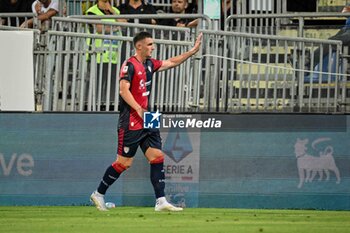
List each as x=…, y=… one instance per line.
x=140, y=219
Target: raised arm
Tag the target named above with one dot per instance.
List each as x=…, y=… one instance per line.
x=175, y=61
x=42, y=17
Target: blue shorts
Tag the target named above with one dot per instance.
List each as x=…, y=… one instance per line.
x=130, y=140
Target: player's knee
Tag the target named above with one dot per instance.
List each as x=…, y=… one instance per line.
x=120, y=167
x=159, y=158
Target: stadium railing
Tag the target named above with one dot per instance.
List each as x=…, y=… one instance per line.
x=205, y=21
x=245, y=72
x=7, y=17
x=239, y=72
x=275, y=24
x=84, y=25
x=71, y=77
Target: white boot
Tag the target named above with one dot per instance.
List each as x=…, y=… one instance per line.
x=99, y=201
x=163, y=205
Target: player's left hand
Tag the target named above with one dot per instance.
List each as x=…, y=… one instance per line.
x=198, y=43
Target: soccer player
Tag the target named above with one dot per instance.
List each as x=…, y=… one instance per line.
x=135, y=85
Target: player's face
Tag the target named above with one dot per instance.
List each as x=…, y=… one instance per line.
x=147, y=47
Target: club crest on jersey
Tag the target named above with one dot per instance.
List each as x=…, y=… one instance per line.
x=126, y=149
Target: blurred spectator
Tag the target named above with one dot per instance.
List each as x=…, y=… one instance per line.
x=179, y=7
x=134, y=7
x=45, y=10
x=109, y=56
x=343, y=35
x=103, y=7
x=15, y=6
x=228, y=7
x=192, y=7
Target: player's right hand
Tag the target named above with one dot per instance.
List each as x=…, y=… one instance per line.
x=140, y=112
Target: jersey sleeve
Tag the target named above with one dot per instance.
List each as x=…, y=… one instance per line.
x=126, y=71
x=156, y=64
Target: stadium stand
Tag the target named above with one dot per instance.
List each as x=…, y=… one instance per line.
x=309, y=25
x=238, y=70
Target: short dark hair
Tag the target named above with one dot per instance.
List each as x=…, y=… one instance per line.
x=140, y=36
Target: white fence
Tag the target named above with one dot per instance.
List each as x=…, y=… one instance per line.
x=74, y=83
x=16, y=19
x=234, y=71
x=245, y=72
x=275, y=24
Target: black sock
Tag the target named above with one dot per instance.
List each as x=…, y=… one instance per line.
x=108, y=179
x=158, y=179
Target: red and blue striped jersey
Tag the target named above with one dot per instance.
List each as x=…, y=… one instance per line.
x=140, y=77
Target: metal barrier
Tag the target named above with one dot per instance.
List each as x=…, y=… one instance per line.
x=239, y=72
x=206, y=25
x=126, y=29
x=124, y=50
x=247, y=72
x=72, y=83
x=273, y=24
x=16, y=19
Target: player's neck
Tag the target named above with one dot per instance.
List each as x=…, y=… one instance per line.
x=140, y=58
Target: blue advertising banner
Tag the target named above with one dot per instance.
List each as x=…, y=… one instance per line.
x=55, y=159
x=277, y=161
x=233, y=161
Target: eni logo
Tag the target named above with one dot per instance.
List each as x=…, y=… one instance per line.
x=311, y=165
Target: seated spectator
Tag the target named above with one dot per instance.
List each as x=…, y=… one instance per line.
x=45, y=9
x=192, y=7
x=228, y=7
x=179, y=7
x=342, y=35
x=134, y=7
x=15, y=6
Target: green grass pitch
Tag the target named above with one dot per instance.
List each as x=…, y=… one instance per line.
x=87, y=219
